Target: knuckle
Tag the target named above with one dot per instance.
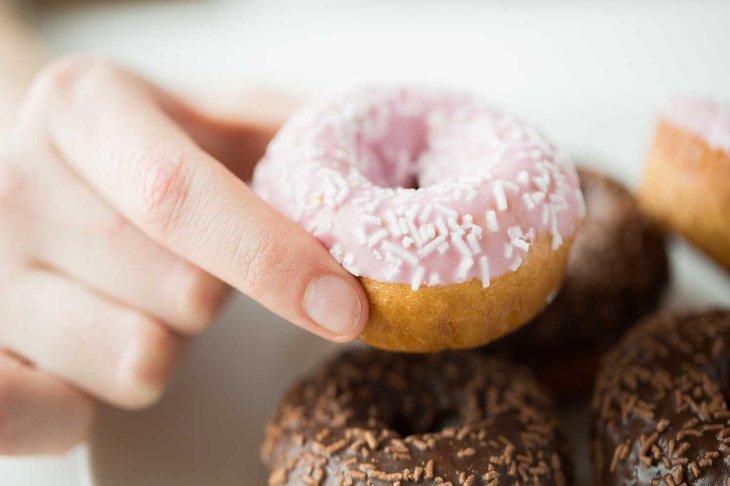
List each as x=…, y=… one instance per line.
x=116, y=228
x=262, y=258
x=200, y=300
x=148, y=371
x=68, y=74
x=163, y=185
x=13, y=183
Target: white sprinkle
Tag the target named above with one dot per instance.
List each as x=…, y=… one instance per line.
x=371, y=220
x=427, y=232
x=435, y=279
x=484, y=266
x=336, y=252
x=514, y=232
x=473, y=241
x=393, y=260
x=443, y=248
x=403, y=225
x=557, y=237
x=516, y=264
x=581, y=202
x=538, y=197
x=471, y=195
x=407, y=242
x=443, y=230
x=463, y=269
x=390, y=273
x=546, y=214
x=376, y=237
x=426, y=213
x=353, y=270
x=429, y=247
x=373, y=205
x=460, y=245
x=523, y=177
x=542, y=182
x=417, y=278
x=454, y=226
x=510, y=186
x=448, y=212
x=529, y=203
x=400, y=252
x=508, y=249
x=521, y=244
x=499, y=196
x=361, y=236
x=492, y=223
x=348, y=263
x=393, y=223
x=344, y=192
x=413, y=231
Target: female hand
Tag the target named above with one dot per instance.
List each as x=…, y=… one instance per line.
x=119, y=224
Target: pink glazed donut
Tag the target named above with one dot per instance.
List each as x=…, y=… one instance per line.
x=456, y=216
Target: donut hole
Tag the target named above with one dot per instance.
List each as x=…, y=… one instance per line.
x=407, y=425
x=389, y=154
x=422, y=146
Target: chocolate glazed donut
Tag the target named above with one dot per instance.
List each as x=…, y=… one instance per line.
x=660, y=412
x=376, y=418
x=617, y=272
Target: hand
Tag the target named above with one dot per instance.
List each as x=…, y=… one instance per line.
x=118, y=227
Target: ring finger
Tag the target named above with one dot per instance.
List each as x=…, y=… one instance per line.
x=132, y=354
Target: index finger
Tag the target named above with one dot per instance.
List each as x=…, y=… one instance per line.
x=116, y=136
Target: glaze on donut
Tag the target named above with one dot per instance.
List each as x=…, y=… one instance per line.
x=617, y=271
x=660, y=413
x=456, y=216
x=687, y=176
x=384, y=419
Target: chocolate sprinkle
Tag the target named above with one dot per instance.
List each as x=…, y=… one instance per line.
x=459, y=419
x=659, y=408
x=617, y=272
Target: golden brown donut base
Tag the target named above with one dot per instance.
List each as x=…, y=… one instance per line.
x=464, y=315
x=687, y=187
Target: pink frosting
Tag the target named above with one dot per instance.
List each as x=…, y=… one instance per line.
x=704, y=117
x=420, y=186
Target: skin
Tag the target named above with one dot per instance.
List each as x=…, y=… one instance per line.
x=124, y=220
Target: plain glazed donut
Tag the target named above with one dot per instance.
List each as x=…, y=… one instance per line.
x=660, y=413
x=384, y=419
x=687, y=176
x=617, y=272
x=456, y=216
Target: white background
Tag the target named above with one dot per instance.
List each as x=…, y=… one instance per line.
x=591, y=74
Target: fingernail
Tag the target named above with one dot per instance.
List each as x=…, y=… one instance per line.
x=333, y=303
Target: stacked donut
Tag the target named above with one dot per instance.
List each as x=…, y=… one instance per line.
x=465, y=224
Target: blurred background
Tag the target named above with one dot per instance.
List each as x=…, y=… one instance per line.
x=592, y=74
